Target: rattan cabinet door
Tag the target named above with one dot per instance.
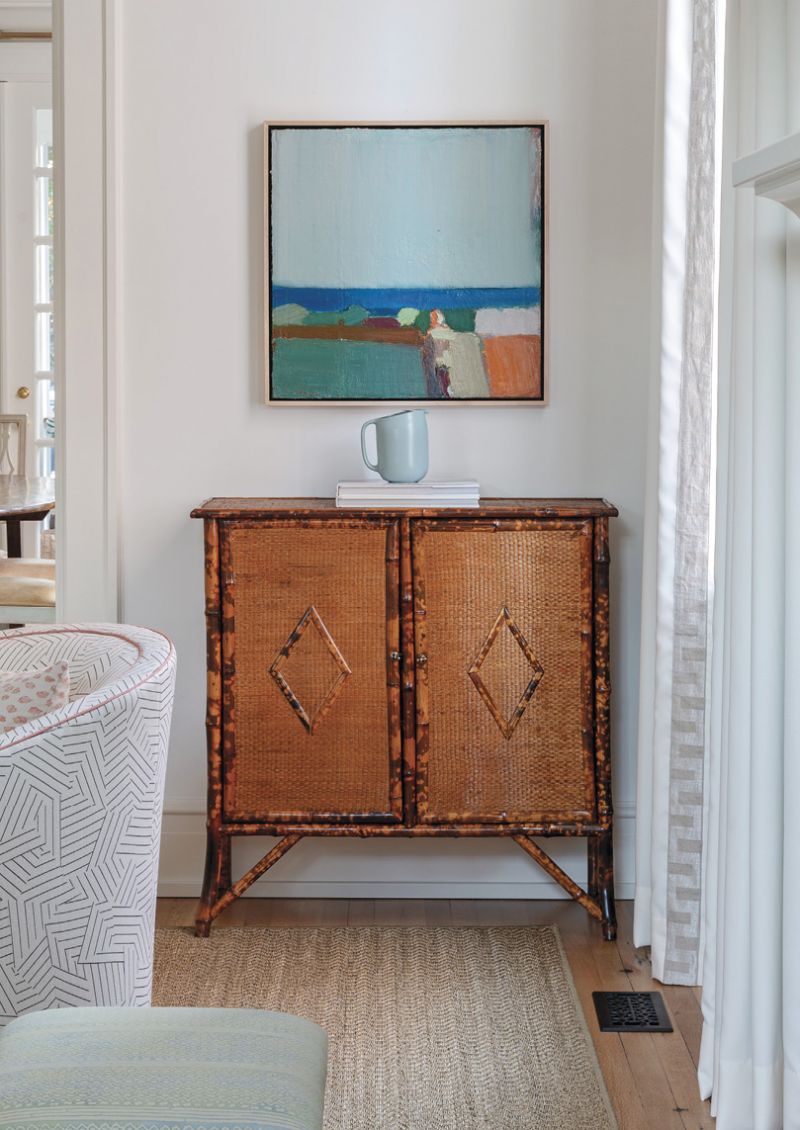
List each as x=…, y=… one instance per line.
x=311, y=707
x=503, y=635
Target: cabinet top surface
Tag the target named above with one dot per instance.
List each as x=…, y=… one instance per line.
x=310, y=507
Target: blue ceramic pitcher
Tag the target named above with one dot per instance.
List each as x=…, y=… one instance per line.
x=402, y=445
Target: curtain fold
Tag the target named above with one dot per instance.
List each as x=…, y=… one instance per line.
x=750, y=1056
x=673, y=720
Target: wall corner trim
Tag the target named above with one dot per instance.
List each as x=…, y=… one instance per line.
x=86, y=78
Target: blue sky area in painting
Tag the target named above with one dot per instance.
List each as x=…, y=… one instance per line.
x=404, y=209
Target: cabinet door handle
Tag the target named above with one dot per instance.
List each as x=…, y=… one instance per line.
x=422, y=660
x=395, y=655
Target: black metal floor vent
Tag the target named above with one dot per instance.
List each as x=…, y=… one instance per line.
x=631, y=1012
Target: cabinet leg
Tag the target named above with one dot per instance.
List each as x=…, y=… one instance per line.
x=592, y=881
x=225, y=850
x=218, y=869
x=605, y=879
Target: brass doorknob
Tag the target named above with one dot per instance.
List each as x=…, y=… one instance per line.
x=23, y=392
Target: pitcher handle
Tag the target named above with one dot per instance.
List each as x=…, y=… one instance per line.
x=372, y=466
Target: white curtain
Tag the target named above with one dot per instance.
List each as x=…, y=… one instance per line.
x=750, y=1059
x=718, y=838
x=676, y=603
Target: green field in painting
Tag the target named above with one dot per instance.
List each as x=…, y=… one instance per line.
x=311, y=369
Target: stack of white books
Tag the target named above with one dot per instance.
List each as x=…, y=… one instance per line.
x=413, y=496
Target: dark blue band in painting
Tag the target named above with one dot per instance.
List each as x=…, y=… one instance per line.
x=389, y=300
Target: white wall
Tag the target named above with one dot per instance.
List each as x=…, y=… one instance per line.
x=197, y=81
x=25, y=15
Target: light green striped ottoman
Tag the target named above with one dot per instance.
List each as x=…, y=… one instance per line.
x=161, y=1069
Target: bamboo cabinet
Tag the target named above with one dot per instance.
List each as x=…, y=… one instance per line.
x=408, y=673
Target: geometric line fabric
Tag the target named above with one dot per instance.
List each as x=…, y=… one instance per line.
x=81, y=795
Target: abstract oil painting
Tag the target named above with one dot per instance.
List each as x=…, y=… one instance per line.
x=405, y=263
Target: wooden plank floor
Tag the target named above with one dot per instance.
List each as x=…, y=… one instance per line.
x=651, y=1079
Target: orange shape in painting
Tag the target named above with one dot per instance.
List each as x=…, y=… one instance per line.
x=513, y=365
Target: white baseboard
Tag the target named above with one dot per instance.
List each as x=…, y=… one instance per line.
x=340, y=867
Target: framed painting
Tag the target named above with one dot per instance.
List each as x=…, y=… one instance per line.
x=405, y=263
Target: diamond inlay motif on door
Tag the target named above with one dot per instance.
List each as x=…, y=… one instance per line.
x=303, y=661
x=506, y=621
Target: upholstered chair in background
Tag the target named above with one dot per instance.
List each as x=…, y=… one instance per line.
x=81, y=794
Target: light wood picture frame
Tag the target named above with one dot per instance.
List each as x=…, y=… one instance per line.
x=406, y=263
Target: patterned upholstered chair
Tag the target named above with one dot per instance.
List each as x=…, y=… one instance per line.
x=81, y=793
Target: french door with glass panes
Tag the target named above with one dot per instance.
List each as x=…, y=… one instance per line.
x=26, y=226
x=26, y=193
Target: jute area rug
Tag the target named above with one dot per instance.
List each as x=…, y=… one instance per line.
x=430, y=1028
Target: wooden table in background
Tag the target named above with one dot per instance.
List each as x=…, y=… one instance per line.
x=23, y=499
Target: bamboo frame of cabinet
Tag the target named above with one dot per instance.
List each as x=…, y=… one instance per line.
x=407, y=723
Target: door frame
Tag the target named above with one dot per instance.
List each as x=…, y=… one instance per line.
x=17, y=350
x=88, y=309
x=19, y=63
